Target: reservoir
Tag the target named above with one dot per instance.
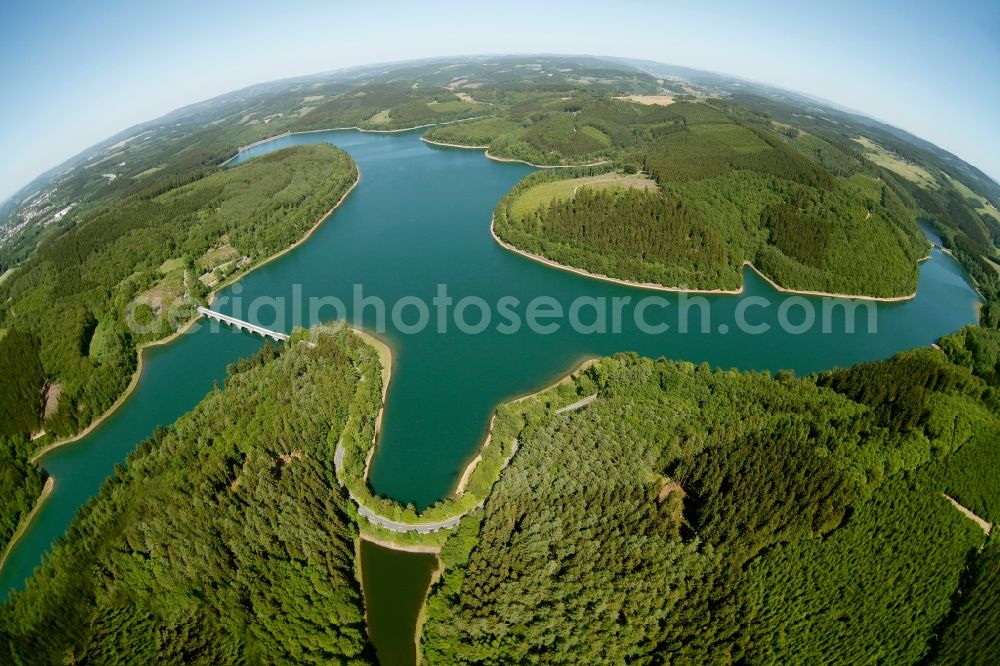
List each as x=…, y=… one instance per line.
x=420, y=219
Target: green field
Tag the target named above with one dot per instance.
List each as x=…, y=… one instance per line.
x=451, y=106
x=984, y=207
x=171, y=265
x=727, y=137
x=908, y=170
x=148, y=172
x=380, y=118
x=545, y=193
x=597, y=135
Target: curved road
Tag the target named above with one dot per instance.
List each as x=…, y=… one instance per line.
x=395, y=525
x=447, y=523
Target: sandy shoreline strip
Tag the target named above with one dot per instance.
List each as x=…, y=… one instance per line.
x=23, y=527
x=38, y=455
x=41, y=453
x=408, y=548
x=471, y=467
x=386, y=360
x=117, y=404
x=659, y=287
x=509, y=160
x=452, y=145
x=418, y=630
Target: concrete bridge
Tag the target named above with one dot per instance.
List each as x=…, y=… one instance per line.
x=243, y=325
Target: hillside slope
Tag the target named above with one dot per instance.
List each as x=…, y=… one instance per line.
x=225, y=539
x=703, y=516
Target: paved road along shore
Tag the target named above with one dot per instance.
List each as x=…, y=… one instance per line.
x=395, y=525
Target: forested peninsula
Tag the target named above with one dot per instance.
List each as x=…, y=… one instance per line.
x=649, y=524
x=707, y=516
x=729, y=189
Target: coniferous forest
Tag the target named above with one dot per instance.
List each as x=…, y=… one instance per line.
x=225, y=539
x=687, y=515
x=732, y=190
x=699, y=516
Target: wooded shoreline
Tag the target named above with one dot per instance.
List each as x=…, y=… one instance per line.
x=659, y=287
x=137, y=375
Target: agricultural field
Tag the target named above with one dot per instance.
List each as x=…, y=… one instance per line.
x=451, y=106
x=661, y=100
x=908, y=170
x=543, y=194
x=984, y=207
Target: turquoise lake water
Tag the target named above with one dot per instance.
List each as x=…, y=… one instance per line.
x=420, y=219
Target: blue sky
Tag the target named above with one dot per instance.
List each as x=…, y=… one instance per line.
x=73, y=73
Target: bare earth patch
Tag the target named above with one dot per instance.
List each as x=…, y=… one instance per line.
x=286, y=458
x=983, y=525
x=668, y=486
x=659, y=100
x=52, y=400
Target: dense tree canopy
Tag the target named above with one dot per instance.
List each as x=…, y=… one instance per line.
x=702, y=516
x=74, y=292
x=225, y=539
x=732, y=192
x=686, y=515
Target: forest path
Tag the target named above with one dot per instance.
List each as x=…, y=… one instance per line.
x=985, y=526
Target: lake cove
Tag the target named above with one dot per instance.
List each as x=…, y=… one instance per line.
x=420, y=219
